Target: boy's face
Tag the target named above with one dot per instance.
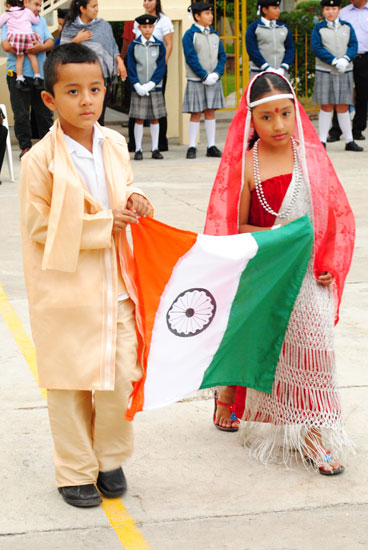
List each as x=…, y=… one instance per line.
x=33, y=5
x=78, y=96
x=205, y=18
x=272, y=13
x=146, y=30
x=331, y=12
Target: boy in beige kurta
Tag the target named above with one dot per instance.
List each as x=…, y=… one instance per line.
x=76, y=201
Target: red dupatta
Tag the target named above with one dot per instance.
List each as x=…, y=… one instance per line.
x=333, y=219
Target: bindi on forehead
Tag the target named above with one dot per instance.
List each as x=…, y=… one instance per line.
x=277, y=110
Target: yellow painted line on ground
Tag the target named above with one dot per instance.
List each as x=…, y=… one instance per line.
x=123, y=525
x=22, y=339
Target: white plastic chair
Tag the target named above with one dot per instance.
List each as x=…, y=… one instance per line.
x=9, y=157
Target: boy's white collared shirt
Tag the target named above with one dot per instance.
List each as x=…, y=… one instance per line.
x=144, y=40
x=90, y=167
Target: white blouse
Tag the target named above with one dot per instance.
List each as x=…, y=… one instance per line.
x=163, y=26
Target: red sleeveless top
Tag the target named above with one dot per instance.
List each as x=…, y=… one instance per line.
x=274, y=190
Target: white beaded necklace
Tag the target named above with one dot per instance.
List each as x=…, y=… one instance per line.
x=259, y=188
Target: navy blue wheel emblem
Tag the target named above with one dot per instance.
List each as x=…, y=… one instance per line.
x=191, y=312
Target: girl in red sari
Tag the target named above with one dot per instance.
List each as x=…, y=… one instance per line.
x=273, y=170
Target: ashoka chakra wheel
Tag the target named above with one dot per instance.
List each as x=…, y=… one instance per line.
x=191, y=312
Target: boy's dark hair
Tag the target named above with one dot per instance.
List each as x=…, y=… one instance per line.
x=62, y=55
x=15, y=4
x=263, y=85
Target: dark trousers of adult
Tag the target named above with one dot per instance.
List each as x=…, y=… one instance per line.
x=21, y=103
x=361, y=98
x=3, y=136
x=163, y=144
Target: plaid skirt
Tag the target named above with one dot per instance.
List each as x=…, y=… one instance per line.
x=199, y=97
x=332, y=88
x=22, y=42
x=151, y=107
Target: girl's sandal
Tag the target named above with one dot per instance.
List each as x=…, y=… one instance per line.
x=233, y=417
x=322, y=469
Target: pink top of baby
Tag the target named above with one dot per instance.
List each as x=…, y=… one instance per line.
x=19, y=20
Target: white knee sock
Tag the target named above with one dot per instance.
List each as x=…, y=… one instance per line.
x=155, y=130
x=193, y=131
x=345, y=125
x=138, y=134
x=210, y=126
x=324, y=123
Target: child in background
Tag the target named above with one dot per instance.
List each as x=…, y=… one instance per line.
x=335, y=45
x=78, y=274
x=19, y=21
x=274, y=169
x=146, y=69
x=270, y=44
x=205, y=60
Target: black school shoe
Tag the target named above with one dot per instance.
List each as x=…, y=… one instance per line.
x=138, y=155
x=352, y=146
x=82, y=496
x=358, y=136
x=157, y=155
x=191, y=153
x=331, y=138
x=213, y=152
x=112, y=484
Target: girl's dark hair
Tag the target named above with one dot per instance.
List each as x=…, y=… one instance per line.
x=158, y=8
x=62, y=55
x=74, y=10
x=15, y=4
x=264, y=84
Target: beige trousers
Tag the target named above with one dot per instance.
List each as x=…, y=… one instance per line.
x=88, y=428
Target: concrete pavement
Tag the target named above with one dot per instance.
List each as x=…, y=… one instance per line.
x=191, y=487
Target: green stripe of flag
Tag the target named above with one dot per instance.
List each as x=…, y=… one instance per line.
x=268, y=287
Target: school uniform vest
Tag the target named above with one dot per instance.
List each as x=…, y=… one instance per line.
x=146, y=57
x=336, y=40
x=271, y=44
x=207, y=47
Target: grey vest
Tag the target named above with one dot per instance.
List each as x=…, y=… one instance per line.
x=271, y=45
x=336, y=41
x=207, y=47
x=146, y=57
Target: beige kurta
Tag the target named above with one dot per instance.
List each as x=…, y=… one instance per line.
x=70, y=262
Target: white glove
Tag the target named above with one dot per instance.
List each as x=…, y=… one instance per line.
x=341, y=64
x=211, y=79
x=271, y=69
x=148, y=86
x=280, y=71
x=140, y=90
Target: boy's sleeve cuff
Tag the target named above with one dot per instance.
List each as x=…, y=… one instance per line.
x=265, y=66
x=285, y=66
x=347, y=58
x=334, y=61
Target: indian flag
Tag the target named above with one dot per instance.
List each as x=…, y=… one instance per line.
x=213, y=310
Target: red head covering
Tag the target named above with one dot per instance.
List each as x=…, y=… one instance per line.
x=333, y=219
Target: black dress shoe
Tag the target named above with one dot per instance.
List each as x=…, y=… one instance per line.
x=213, y=152
x=358, y=136
x=112, y=484
x=38, y=83
x=331, y=138
x=138, y=155
x=157, y=155
x=352, y=146
x=191, y=153
x=82, y=496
